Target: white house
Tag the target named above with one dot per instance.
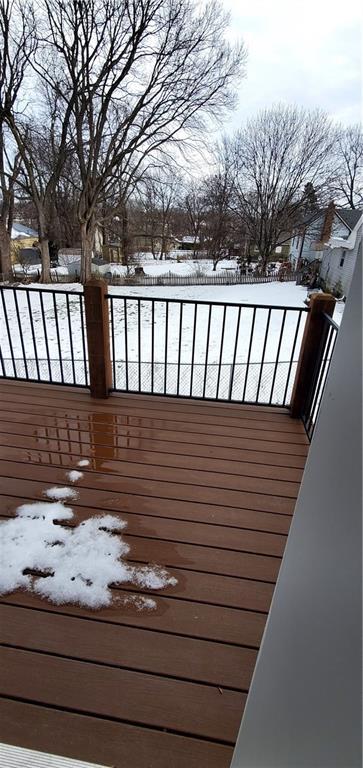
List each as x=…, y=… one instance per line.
x=308, y=243
x=339, y=258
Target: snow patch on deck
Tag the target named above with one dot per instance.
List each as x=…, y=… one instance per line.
x=61, y=493
x=73, y=476
x=71, y=564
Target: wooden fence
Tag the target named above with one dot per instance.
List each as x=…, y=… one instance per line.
x=170, y=279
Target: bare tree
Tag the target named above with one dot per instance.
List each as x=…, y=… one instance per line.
x=195, y=206
x=279, y=157
x=43, y=150
x=17, y=43
x=348, y=181
x=136, y=75
x=158, y=194
x=218, y=191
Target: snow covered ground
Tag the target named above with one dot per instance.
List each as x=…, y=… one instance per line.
x=182, y=268
x=37, y=324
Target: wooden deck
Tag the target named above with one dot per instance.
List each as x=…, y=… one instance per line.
x=207, y=490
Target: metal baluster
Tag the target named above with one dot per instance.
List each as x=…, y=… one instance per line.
x=55, y=306
x=126, y=346
x=44, y=327
x=263, y=353
x=20, y=333
x=221, y=352
x=298, y=323
x=193, y=349
x=179, y=350
x=207, y=350
x=234, y=354
x=249, y=354
x=81, y=307
x=152, y=343
x=166, y=344
x=277, y=355
x=33, y=335
x=8, y=332
x=320, y=383
x=70, y=337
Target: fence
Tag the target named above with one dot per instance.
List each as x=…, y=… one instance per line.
x=234, y=278
x=169, y=279
x=258, y=354
x=43, y=335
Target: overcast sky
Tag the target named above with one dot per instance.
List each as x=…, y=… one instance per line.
x=305, y=52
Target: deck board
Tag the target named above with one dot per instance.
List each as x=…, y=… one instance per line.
x=207, y=490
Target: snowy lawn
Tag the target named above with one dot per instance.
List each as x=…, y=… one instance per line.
x=182, y=268
x=198, y=361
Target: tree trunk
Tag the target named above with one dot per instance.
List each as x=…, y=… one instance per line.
x=45, y=257
x=5, y=255
x=87, y=240
x=264, y=261
x=125, y=236
x=43, y=244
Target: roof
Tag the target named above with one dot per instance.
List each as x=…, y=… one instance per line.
x=21, y=230
x=350, y=216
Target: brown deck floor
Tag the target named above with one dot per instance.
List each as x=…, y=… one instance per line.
x=207, y=490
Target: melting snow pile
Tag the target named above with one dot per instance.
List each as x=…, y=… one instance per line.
x=71, y=564
x=61, y=493
x=74, y=475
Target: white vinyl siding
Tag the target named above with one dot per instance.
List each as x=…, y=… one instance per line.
x=333, y=274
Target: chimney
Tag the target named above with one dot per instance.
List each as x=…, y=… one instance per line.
x=327, y=226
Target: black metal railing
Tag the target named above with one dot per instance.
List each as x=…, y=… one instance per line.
x=317, y=386
x=211, y=350
x=43, y=336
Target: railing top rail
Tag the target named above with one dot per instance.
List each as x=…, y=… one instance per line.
x=331, y=321
x=111, y=296
x=37, y=290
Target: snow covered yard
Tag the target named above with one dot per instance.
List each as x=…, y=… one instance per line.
x=169, y=345
x=179, y=266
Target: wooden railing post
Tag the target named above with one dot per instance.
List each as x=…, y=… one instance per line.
x=98, y=337
x=312, y=343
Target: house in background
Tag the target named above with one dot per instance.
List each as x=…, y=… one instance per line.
x=22, y=237
x=339, y=257
x=309, y=242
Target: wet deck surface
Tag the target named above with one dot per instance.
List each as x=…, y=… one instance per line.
x=207, y=490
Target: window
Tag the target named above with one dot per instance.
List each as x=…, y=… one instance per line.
x=342, y=259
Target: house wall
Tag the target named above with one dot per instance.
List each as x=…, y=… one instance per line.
x=312, y=236
x=17, y=244
x=303, y=245
x=304, y=708
x=338, y=278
